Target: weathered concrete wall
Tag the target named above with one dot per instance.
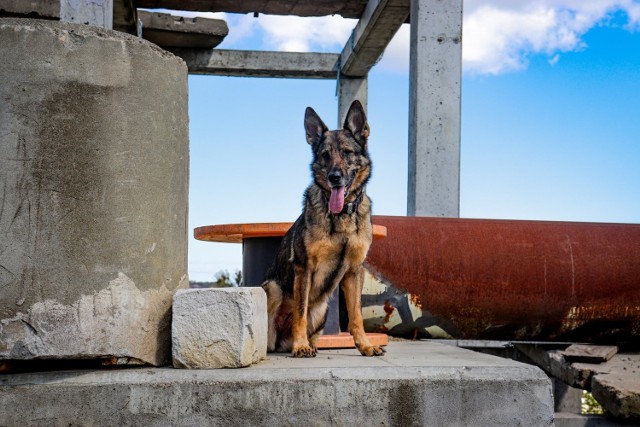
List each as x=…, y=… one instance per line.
x=93, y=192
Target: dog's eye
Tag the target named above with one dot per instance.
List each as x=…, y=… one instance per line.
x=349, y=156
x=326, y=157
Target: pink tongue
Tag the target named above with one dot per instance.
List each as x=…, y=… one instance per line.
x=336, y=202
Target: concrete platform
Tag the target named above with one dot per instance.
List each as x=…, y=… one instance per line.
x=415, y=383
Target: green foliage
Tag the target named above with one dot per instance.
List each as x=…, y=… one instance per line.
x=590, y=405
x=222, y=279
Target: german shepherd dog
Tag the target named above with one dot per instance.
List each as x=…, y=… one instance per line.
x=328, y=242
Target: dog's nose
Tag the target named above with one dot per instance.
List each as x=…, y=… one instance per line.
x=335, y=177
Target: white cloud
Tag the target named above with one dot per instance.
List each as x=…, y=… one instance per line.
x=294, y=34
x=633, y=10
x=500, y=35
x=283, y=33
x=396, y=56
x=240, y=27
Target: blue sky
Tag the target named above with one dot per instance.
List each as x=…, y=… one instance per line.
x=550, y=128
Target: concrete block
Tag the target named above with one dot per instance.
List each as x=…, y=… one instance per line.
x=219, y=328
x=93, y=192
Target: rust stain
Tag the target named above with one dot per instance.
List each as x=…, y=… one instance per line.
x=500, y=279
x=415, y=300
x=388, y=309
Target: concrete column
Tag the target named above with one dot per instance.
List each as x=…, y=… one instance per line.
x=98, y=13
x=434, y=108
x=350, y=89
x=93, y=192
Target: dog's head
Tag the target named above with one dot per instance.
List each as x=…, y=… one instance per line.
x=341, y=164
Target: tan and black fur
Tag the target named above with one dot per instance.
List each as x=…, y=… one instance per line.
x=327, y=245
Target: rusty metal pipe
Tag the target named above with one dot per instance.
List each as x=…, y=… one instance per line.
x=514, y=280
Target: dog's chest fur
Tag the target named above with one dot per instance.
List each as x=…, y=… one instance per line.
x=335, y=245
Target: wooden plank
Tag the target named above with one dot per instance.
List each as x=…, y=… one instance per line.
x=344, y=8
x=345, y=340
x=245, y=63
x=589, y=353
x=380, y=21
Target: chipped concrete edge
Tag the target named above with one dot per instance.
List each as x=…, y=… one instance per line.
x=119, y=321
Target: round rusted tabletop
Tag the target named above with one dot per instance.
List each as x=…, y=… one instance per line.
x=236, y=233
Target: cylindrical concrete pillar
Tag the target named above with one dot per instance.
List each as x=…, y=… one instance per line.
x=93, y=192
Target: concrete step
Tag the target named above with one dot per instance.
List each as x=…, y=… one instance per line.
x=415, y=383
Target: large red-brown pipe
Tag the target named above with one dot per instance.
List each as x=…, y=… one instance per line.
x=499, y=279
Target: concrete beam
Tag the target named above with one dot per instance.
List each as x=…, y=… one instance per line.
x=345, y=8
x=167, y=30
x=434, y=108
x=380, y=21
x=245, y=63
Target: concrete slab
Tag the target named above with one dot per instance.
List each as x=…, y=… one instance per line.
x=167, y=30
x=415, y=383
x=615, y=384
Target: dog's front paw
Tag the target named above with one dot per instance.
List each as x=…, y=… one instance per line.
x=372, y=350
x=303, y=351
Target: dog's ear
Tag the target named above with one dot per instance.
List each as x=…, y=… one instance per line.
x=356, y=123
x=314, y=126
